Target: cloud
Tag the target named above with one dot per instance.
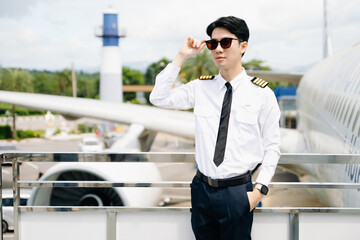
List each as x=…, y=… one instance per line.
x=16, y=8
x=51, y=34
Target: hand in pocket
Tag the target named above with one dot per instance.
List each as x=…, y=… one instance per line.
x=254, y=198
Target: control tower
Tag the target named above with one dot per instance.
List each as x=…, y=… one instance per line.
x=111, y=68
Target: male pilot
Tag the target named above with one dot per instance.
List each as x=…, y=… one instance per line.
x=236, y=128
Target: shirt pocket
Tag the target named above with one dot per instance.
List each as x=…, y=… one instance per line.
x=247, y=114
x=205, y=118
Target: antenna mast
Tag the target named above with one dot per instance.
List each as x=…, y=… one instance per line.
x=327, y=38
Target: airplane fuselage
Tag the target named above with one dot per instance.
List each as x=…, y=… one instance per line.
x=328, y=105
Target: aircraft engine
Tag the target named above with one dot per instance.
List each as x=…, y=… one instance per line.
x=99, y=196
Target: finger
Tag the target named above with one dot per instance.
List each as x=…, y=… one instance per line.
x=200, y=44
x=193, y=42
x=190, y=41
x=196, y=43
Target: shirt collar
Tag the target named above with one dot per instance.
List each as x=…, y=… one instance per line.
x=235, y=83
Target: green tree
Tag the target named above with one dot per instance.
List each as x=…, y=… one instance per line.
x=154, y=69
x=5, y=132
x=131, y=77
x=87, y=85
x=19, y=81
x=201, y=64
x=64, y=84
x=44, y=83
x=255, y=64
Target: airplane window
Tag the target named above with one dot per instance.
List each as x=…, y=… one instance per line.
x=329, y=102
x=347, y=111
x=335, y=105
x=9, y=202
x=342, y=109
x=332, y=104
x=356, y=120
x=351, y=114
x=23, y=201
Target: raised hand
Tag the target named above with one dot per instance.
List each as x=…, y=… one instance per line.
x=188, y=49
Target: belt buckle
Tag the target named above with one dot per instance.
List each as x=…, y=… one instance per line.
x=213, y=182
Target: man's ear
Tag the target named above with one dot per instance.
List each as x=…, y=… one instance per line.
x=243, y=46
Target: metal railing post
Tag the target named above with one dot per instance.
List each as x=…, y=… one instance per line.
x=16, y=196
x=294, y=226
x=111, y=226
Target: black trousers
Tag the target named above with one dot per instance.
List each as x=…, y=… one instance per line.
x=220, y=213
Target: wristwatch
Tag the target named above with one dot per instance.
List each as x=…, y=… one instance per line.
x=263, y=189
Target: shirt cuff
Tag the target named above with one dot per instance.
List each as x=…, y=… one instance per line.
x=268, y=167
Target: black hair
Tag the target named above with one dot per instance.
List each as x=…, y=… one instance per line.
x=236, y=26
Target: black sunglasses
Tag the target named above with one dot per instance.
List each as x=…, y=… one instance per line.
x=224, y=43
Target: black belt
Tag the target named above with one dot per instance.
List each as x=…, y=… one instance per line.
x=218, y=183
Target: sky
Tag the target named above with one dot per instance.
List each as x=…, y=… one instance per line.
x=51, y=35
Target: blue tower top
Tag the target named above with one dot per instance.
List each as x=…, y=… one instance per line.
x=110, y=32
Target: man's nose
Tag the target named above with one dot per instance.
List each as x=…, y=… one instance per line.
x=219, y=48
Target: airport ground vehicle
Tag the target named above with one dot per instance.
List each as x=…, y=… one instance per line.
x=7, y=201
x=90, y=144
x=7, y=146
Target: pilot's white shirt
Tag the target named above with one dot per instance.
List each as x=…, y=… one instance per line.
x=253, y=133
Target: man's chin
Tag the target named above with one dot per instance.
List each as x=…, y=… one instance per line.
x=219, y=63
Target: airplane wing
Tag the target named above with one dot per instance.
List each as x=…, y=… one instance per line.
x=180, y=123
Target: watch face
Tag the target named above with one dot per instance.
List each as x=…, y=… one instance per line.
x=264, y=189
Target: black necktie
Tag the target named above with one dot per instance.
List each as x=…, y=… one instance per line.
x=223, y=127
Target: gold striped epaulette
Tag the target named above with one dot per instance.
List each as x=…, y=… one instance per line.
x=211, y=77
x=259, y=82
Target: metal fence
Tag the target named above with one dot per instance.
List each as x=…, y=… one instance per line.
x=292, y=228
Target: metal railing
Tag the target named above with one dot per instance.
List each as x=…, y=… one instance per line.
x=111, y=212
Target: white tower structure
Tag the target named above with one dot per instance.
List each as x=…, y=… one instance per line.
x=111, y=69
x=327, y=37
